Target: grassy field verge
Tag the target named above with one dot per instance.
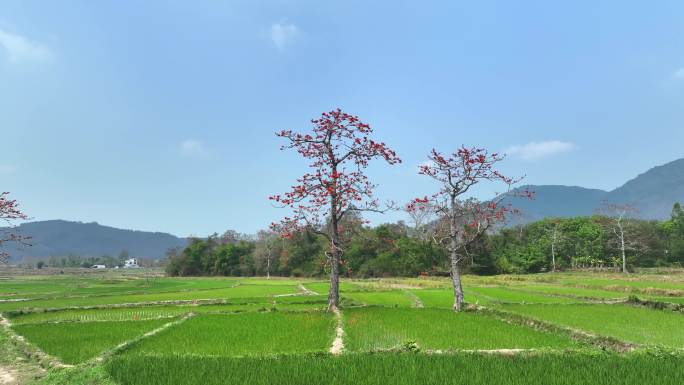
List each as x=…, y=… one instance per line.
x=400, y=369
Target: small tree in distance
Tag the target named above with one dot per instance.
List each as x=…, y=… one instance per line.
x=340, y=148
x=463, y=220
x=555, y=237
x=618, y=218
x=9, y=212
x=264, y=247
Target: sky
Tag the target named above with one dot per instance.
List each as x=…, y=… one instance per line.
x=160, y=115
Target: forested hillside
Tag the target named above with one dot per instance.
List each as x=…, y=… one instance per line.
x=400, y=250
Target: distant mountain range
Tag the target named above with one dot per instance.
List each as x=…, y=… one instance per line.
x=62, y=238
x=653, y=193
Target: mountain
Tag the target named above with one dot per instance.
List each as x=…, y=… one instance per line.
x=558, y=201
x=61, y=238
x=653, y=193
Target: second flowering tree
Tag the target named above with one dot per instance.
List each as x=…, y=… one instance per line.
x=9, y=212
x=339, y=147
x=462, y=219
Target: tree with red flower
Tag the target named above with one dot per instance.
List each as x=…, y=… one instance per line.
x=9, y=212
x=463, y=220
x=339, y=147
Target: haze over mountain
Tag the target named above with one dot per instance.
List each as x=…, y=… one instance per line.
x=653, y=193
x=61, y=238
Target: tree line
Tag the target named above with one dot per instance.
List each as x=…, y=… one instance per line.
x=401, y=249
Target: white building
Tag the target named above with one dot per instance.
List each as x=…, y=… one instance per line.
x=131, y=263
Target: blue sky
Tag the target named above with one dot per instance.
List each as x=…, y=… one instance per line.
x=160, y=115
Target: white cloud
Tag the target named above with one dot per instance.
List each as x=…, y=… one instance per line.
x=193, y=148
x=283, y=34
x=6, y=169
x=20, y=49
x=678, y=74
x=539, y=150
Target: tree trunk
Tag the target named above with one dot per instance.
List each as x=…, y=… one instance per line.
x=622, y=250
x=334, y=292
x=553, y=255
x=455, y=258
x=456, y=279
x=621, y=235
x=268, y=268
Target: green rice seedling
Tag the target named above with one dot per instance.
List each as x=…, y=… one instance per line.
x=277, y=281
x=59, y=287
x=444, y=298
x=300, y=303
x=383, y=298
x=622, y=283
x=246, y=291
x=318, y=287
x=678, y=300
x=384, y=284
x=503, y=294
x=572, y=292
x=76, y=342
x=322, y=287
x=627, y=323
x=403, y=283
x=302, y=299
x=440, y=329
x=133, y=313
x=232, y=293
x=231, y=308
x=399, y=369
x=245, y=334
x=90, y=315
x=30, y=288
x=318, y=306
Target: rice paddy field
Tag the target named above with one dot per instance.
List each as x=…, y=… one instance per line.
x=142, y=328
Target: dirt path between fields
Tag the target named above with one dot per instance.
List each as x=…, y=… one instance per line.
x=20, y=361
x=125, y=345
x=503, y=352
x=306, y=290
x=15, y=300
x=416, y=301
x=32, y=350
x=7, y=376
x=338, y=344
